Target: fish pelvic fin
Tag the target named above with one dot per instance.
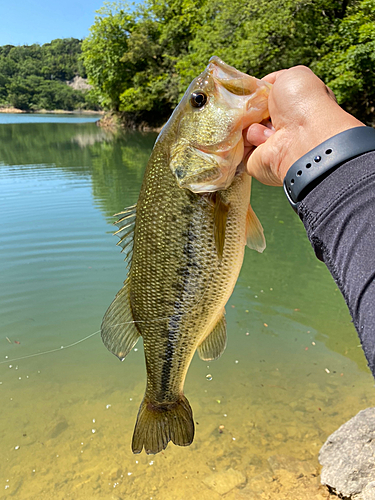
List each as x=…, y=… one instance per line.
x=118, y=330
x=254, y=232
x=157, y=424
x=215, y=343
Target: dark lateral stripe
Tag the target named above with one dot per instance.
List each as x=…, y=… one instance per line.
x=175, y=320
x=173, y=334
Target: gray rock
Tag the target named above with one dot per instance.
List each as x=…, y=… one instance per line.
x=79, y=83
x=348, y=458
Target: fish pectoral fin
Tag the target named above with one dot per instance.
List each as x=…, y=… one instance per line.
x=220, y=223
x=214, y=344
x=118, y=330
x=254, y=232
x=159, y=423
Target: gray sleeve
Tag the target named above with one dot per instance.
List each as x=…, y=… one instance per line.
x=339, y=217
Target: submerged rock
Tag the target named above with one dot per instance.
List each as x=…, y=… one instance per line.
x=297, y=467
x=222, y=482
x=256, y=486
x=348, y=458
x=57, y=428
x=287, y=478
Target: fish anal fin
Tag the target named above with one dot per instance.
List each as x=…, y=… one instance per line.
x=118, y=330
x=221, y=210
x=159, y=423
x=254, y=232
x=214, y=344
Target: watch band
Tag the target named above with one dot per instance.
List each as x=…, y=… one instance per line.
x=314, y=166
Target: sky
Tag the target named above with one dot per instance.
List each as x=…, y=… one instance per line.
x=24, y=22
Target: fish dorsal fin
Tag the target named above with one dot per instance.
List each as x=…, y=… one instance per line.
x=254, y=232
x=220, y=222
x=118, y=330
x=214, y=344
x=125, y=232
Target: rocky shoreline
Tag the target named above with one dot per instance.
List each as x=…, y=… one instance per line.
x=53, y=111
x=108, y=120
x=112, y=121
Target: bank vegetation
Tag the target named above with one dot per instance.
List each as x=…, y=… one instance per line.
x=141, y=61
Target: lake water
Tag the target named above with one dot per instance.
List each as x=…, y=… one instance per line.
x=47, y=118
x=292, y=372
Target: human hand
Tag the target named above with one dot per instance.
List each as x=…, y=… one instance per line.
x=303, y=114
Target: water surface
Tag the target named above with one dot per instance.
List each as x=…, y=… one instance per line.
x=47, y=118
x=291, y=374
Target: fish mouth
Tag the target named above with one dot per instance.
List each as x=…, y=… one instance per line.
x=231, y=79
x=251, y=93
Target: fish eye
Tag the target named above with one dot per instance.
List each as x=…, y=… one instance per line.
x=198, y=99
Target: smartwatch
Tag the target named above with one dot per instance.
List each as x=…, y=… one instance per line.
x=317, y=164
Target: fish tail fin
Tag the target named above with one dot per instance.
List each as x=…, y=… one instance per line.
x=157, y=424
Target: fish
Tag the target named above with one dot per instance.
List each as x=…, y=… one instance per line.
x=184, y=244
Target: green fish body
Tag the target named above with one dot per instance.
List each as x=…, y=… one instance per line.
x=185, y=251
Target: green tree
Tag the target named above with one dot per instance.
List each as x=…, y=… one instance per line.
x=349, y=61
x=130, y=57
x=103, y=51
x=261, y=36
x=141, y=62
x=34, y=77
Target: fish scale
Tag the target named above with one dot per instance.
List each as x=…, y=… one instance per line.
x=191, y=224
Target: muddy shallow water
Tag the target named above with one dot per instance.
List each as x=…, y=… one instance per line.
x=291, y=374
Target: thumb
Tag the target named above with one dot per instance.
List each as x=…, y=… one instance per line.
x=261, y=166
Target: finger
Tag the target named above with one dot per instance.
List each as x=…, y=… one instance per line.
x=272, y=77
x=258, y=134
x=247, y=153
x=331, y=93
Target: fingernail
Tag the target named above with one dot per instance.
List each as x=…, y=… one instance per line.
x=268, y=132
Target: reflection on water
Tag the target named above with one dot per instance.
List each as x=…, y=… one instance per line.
x=291, y=374
x=6, y=118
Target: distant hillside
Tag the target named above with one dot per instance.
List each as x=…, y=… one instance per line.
x=36, y=77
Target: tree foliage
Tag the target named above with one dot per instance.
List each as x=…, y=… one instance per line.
x=348, y=64
x=35, y=76
x=103, y=53
x=141, y=61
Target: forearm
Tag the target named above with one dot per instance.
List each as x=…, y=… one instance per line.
x=339, y=217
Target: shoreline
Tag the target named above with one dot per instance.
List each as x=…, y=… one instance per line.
x=52, y=112
x=107, y=120
x=112, y=121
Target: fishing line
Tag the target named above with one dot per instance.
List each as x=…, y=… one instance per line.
x=88, y=337
x=52, y=350
x=95, y=333
x=168, y=203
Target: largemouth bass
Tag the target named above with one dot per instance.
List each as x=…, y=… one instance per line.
x=185, y=242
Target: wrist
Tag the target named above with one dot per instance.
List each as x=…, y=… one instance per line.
x=318, y=163
x=314, y=131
